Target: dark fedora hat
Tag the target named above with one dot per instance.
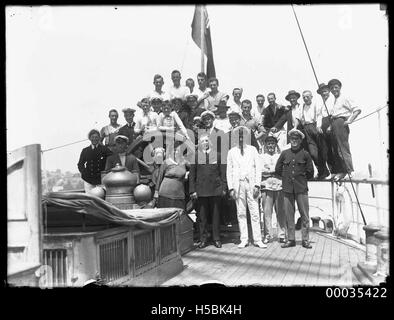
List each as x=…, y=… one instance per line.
x=321, y=87
x=292, y=92
x=334, y=82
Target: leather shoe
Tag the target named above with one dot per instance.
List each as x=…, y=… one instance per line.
x=202, y=244
x=290, y=243
x=306, y=244
x=217, y=244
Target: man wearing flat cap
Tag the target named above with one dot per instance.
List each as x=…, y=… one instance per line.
x=345, y=111
x=92, y=161
x=128, y=129
x=291, y=116
x=295, y=167
x=128, y=161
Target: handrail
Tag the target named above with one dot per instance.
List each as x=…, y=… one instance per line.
x=356, y=180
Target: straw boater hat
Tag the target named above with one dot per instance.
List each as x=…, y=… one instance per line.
x=128, y=109
x=121, y=137
x=207, y=113
x=322, y=86
x=295, y=131
x=333, y=82
x=291, y=93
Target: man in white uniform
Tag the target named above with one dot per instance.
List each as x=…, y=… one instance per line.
x=243, y=179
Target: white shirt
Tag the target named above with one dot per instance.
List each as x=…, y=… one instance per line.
x=234, y=106
x=122, y=157
x=310, y=113
x=200, y=93
x=179, y=92
x=243, y=166
x=146, y=120
x=222, y=124
x=156, y=94
x=322, y=107
x=343, y=107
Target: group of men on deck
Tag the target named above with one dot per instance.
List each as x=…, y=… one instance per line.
x=243, y=155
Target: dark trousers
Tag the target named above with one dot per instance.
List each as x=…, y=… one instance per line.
x=302, y=200
x=342, y=158
x=313, y=145
x=326, y=145
x=208, y=207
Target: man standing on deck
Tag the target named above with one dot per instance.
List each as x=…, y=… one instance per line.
x=243, y=178
x=295, y=167
x=109, y=132
x=258, y=111
x=92, y=161
x=344, y=113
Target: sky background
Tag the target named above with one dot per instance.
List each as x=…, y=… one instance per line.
x=66, y=67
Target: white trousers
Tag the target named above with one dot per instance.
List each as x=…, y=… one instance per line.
x=245, y=198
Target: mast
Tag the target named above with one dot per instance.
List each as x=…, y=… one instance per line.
x=202, y=34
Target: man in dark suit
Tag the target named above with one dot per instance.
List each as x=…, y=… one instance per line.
x=128, y=129
x=295, y=167
x=291, y=115
x=126, y=160
x=92, y=161
x=207, y=185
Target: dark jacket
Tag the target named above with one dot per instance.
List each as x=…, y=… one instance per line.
x=128, y=131
x=187, y=115
x=207, y=178
x=270, y=119
x=286, y=117
x=295, y=168
x=92, y=162
x=131, y=163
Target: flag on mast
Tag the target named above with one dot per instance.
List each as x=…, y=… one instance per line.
x=201, y=22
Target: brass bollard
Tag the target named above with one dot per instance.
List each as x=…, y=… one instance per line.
x=371, y=244
x=383, y=253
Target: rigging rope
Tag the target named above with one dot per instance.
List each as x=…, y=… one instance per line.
x=330, y=119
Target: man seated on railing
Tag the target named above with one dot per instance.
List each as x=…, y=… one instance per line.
x=344, y=113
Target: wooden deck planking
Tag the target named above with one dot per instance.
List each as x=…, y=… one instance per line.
x=253, y=272
x=329, y=262
x=305, y=266
x=291, y=274
x=324, y=269
x=234, y=272
x=277, y=265
x=313, y=272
